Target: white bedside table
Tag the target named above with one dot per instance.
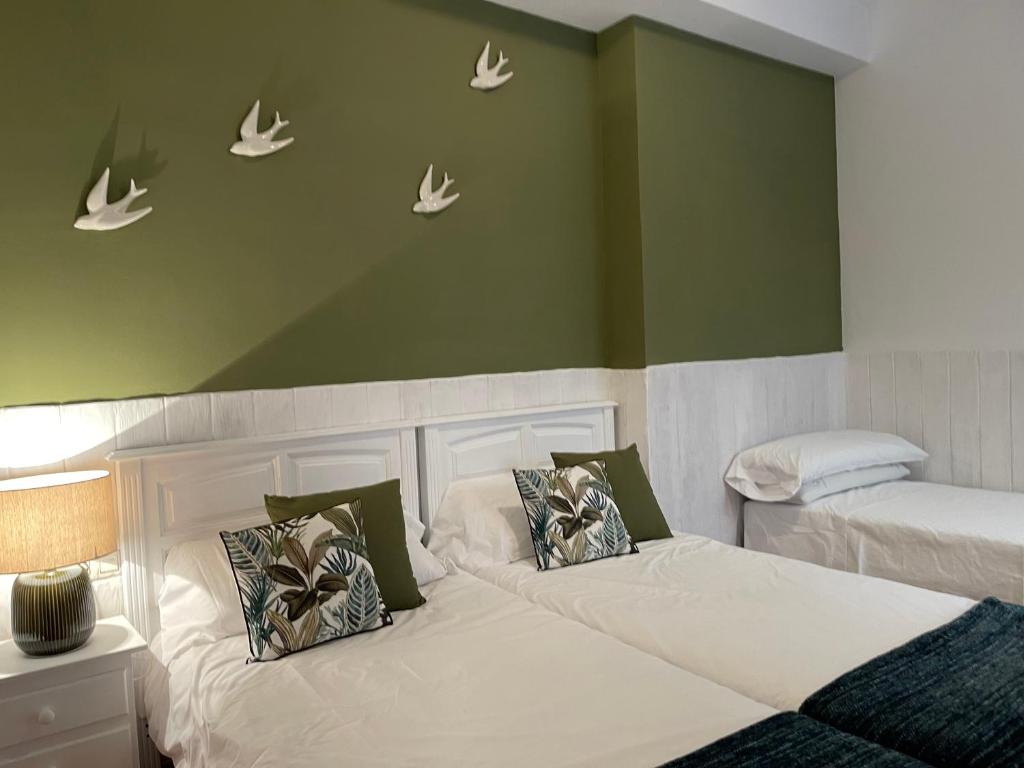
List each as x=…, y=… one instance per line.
x=73, y=710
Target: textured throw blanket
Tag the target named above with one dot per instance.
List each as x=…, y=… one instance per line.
x=951, y=697
x=789, y=740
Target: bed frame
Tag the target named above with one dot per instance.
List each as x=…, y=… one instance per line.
x=176, y=493
x=463, y=448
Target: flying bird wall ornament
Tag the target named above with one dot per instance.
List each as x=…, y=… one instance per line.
x=488, y=78
x=104, y=216
x=431, y=200
x=256, y=144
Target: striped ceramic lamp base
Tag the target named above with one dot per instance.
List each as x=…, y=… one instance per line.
x=52, y=611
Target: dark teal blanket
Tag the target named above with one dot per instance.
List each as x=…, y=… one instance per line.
x=789, y=740
x=951, y=697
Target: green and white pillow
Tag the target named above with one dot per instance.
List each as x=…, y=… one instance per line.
x=572, y=514
x=305, y=581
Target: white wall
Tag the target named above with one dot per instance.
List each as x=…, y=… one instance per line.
x=931, y=179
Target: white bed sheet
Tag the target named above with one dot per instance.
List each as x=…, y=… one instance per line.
x=964, y=541
x=773, y=629
x=475, y=677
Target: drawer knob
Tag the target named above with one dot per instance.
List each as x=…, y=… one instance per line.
x=47, y=716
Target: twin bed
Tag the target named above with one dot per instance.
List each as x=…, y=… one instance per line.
x=963, y=541
x=474, y=677
x=633, y=660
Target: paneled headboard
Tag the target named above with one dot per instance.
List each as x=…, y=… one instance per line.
x=176, y=493
x=172, y=494
x=482, y=445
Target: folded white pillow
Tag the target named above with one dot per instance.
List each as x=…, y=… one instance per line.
x=481, y=522
x=425, y=567
x=845, y=481
x=199, y=598
x=777, y=470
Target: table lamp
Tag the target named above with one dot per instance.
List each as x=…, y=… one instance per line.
x=50, y=525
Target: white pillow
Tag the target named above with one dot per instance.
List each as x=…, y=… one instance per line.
x=425, y=567
x=199, y=601
x=481, y=522
x=775, y=471
x=844, y=481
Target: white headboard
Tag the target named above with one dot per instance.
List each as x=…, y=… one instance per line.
x=176, y=493
x=482, y=445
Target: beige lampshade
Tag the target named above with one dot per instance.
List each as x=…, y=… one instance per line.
x=48, y=521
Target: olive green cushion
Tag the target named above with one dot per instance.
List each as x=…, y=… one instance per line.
x=384, y=523
x=633, y=493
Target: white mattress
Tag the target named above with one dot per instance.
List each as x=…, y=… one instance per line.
x=963, y=541
x=772, y=629
x=475, y=677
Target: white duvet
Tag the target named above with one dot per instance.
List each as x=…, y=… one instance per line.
x=963, y=541
x=772, y=629
x=476, y=677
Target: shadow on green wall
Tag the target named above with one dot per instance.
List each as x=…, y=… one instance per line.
x=404, y=306
x=405, y=319
x=144, y=165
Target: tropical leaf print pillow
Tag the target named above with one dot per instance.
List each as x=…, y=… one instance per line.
x=572, y=514
x=305, y=581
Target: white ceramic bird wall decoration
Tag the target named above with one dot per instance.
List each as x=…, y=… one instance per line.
x=104, y=216
x=256, y=144
x=488, y=78
x=431, y=200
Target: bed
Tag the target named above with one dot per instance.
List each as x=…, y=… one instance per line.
x=684, y=652
x=477, y=676
x=474, y=677
x=771, y=628
x=962, y=541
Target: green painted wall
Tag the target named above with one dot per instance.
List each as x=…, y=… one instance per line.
x=623, y=235
x=308, y=266
x=640, y=197
x=740, y=210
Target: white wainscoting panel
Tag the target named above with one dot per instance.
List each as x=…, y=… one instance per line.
x=687, y=420
x=51, y=438
x=935, y=426
x=995, y=414
x=965, y=408
x=908, y=391
x=1017, y=420
x=628, y=388
x=699, y=415
x=965, y=418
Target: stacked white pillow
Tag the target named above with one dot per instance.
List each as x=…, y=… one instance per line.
x=802, y=468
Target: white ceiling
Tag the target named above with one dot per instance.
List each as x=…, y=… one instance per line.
x=830, y=36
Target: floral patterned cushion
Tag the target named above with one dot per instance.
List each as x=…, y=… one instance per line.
x=305, y=581
x=573, y=516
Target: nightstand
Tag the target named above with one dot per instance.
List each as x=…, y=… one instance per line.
x=72, y=710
